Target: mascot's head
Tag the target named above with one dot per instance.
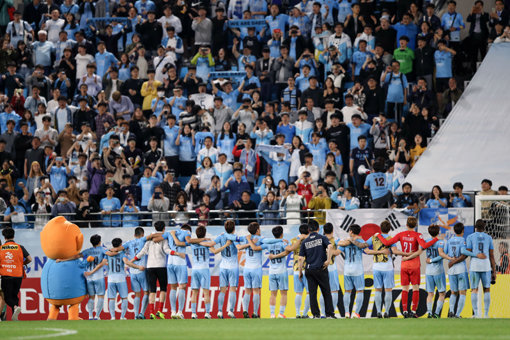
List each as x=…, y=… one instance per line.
x=61, y=239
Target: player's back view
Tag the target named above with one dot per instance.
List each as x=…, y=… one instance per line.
x=410, y=241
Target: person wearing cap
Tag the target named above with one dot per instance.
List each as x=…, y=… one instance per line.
x=19, y=30
x=43, y=50
x=285, y=128
x=47, y=134
x=203, y=28
x=150, y=30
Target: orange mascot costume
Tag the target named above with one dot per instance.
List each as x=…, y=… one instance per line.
x=63, y=282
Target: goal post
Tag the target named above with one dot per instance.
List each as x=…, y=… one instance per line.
x=495, y=211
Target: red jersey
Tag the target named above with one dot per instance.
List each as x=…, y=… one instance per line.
x=305, y=191
x=409, y=241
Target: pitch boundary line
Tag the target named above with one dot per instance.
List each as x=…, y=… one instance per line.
x=59, y=332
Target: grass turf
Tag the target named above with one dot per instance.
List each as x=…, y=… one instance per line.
x=260, y=329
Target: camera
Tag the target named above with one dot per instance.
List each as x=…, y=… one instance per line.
x=319, y=192
x=157, y=195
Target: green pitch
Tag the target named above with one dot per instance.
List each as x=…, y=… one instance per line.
x=260, y=329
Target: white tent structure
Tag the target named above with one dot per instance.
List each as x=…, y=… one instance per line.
x=474, y=141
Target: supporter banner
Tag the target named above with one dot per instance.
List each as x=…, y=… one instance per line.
x=247, y=23
x=370, y=219
x=107, y=19
x=226, y=74
x=446, y=218
x=273, y=148
x=31, y=241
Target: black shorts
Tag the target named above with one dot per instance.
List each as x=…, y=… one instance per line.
x=441, y=84
x=157, y=275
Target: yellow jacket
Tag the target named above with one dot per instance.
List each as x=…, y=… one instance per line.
x=149, y=93
x=317, y=203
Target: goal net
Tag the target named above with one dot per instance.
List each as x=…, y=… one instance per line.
x=495, y=211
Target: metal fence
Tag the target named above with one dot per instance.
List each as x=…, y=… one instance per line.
x=172, y=217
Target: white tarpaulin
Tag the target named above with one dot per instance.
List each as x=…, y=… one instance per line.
x=470, y=145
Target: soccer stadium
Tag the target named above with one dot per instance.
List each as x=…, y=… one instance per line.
x=255, y=169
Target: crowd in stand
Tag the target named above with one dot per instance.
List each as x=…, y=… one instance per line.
x=187, y=106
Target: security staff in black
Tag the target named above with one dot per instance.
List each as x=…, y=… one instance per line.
x=316, y=250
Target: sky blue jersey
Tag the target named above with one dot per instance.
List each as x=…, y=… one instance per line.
x=353, y=264
x=480, y=243
x=276, y=266
x=376, y=181
x=99, y=254
x=253, y=258
x=132, y=248
x=200, y=256
x=229, y=254
x=116, y=271
x=436, y=266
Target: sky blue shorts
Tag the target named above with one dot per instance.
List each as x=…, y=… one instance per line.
x=354, y=282
x=200, y=278
x=435, y=281
x=177, y=274
x=229, y=277
x=334, y=283
x=278, y=281
x=252, y=277
x=300, y=284
x=459, y=282
x=117, y=287
x=384, y=279
x=139, y=282
x=476, y=277
x=96, y=287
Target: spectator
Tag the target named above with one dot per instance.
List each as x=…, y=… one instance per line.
x=42, y=209
x=85, y=209
x=181, y=206
x=236, y=186
x=487, y=188
x=417, y=150
x=248, y=207
x=407, y=200
x=16, y=211
x=503, y=190
x=193, y=192
x=361, y=160
x=348, y=201
x=397, y=90
x=449, y=97
x=437, y=199
x=63, y=206
x=503, y=266
x=269, y=209
x=457, y=199
x=130, y=219
x=109, y=205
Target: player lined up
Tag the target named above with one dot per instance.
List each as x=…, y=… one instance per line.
x=160, y=258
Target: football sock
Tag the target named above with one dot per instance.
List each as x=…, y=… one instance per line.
x=347, y=301
x=158, y=306
x=388, y=300
x=429, y=307
x=378, y=301
x=474, y=302
x=173, y=300
x=271, y=309
x=405, y=297
x=182, y=297
x=439, y=306
x=207, y=307
x=232, y=301
x=111, y=306
x=123, y=307
x=297, y=302
x=334, y=295
x=221, y=301
x=416, y=300
x=194, y=307
x=256, y=303
x=486, y=302
x=307, y=305
x=460, y=306
x=99, y=306
x=151, y=308
x=90, y=307
x=282, y=309
x=145, y=302
x=359, y=301
x=246, y=302
x=322, y=307
x=136, y=304
x=453, y=300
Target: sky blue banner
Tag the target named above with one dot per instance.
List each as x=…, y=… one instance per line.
x=247, y=23
x=107, y=19
x=446, y=218
x=227, y=74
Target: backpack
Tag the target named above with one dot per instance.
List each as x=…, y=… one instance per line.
x=401, y=75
